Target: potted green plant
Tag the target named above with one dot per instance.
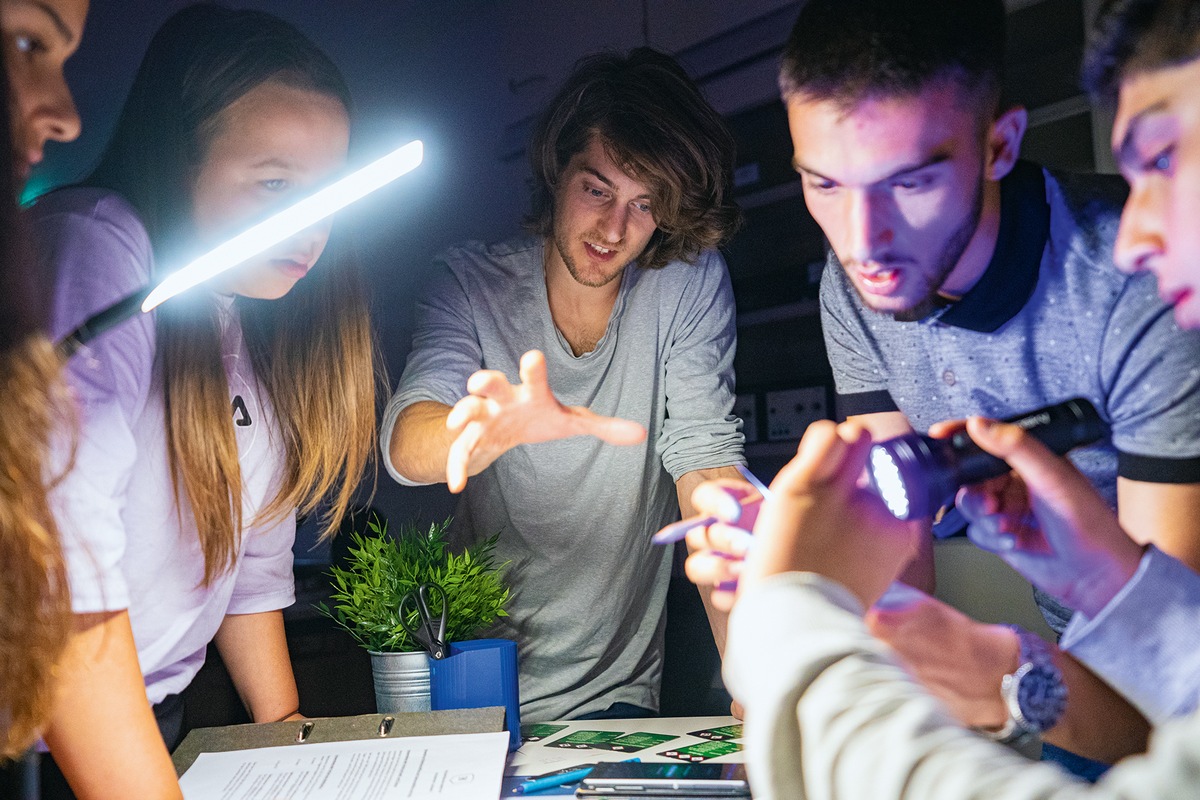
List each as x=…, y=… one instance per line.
x=380, y=570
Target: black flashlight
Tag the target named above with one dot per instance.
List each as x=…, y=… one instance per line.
x=917, y=475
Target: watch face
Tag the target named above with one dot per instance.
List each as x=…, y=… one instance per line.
x=1041, y=696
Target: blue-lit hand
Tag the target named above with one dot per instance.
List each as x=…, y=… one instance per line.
x=718, y=550
x=1047, y=521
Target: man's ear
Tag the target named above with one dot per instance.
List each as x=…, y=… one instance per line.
x=1004, y=142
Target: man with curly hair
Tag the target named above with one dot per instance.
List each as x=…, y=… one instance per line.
x=615, y=320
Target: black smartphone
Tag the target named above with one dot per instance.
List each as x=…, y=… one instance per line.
x=633, y=779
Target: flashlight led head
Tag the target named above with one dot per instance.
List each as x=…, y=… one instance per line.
x=917, y=475
x=886, y=481
x=910, y=473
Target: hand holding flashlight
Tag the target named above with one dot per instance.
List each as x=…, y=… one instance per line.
x=1047, y=521
x=821, y=520
x=917, y=475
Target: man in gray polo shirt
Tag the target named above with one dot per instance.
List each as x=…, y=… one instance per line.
x=617, y=315
x=963, y=282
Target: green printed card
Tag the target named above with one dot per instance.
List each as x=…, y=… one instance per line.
x=585, y=740
x=702, y=752
x=719, y=734
x=632, y=742
x=538, y=731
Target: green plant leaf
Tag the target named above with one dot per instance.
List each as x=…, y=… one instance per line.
x=366, y=593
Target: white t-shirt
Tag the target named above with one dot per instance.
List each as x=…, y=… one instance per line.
x=128, y=543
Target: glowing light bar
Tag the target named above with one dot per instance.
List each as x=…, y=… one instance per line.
x=289, y=222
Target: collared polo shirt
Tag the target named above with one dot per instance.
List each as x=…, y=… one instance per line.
x=1051, y=318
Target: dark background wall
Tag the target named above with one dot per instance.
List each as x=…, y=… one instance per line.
x=467, y=76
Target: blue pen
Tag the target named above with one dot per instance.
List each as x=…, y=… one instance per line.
x=678, y=530
x=556, y=779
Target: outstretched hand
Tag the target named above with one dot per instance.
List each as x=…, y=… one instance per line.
x=496, y=416
x=1047, y=521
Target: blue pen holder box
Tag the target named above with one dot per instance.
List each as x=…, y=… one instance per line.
x=479, y=673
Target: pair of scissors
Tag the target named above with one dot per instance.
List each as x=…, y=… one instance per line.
x=430, y=634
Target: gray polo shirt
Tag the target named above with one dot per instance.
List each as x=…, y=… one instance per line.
x=575, y=516
x=1050, y=319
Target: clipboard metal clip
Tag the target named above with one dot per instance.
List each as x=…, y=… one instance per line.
x=385, y=725
x=305, y=730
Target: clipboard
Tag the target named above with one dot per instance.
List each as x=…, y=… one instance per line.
x=334, y=729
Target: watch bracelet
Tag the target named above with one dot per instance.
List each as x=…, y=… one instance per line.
x=1033, y=651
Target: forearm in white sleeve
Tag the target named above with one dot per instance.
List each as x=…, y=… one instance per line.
x=829, y=714
x=1143, y=643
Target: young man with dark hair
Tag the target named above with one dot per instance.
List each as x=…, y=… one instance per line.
x=963, y=281
x=618, y=317
x=1145, y=54
x=833, y=714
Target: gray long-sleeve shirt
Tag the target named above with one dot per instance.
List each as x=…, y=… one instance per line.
x=576, y=515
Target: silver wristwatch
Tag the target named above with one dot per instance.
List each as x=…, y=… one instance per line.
x=1034, y=694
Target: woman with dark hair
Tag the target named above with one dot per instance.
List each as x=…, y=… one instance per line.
x=206, y=425
x=38, y=39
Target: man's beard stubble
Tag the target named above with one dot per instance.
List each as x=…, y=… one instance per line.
x=947, y=259
x=564, y=253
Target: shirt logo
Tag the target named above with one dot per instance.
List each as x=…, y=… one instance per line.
x=241, y=415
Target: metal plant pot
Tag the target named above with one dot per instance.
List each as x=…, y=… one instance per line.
x=401, y=681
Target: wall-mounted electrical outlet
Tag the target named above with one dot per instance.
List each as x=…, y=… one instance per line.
x=790, y=412
x=746, y=407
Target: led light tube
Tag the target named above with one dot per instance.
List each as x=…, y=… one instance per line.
x=289, y=222
x=257, y=239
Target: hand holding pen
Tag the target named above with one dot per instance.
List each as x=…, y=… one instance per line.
x=724, y=500
x=719, y=537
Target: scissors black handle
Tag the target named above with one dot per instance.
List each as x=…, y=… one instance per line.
x=431, y=636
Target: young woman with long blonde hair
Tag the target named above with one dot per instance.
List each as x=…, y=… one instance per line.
x=206, y=425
